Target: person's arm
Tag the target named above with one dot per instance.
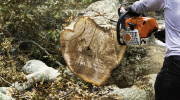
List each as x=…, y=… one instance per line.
x=144, y=6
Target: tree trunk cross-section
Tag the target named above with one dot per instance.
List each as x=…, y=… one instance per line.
x=90, y=51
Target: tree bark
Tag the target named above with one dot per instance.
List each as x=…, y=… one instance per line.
x=142, y=90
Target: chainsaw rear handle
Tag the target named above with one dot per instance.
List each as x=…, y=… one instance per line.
x=160, y=35
x=121, y=15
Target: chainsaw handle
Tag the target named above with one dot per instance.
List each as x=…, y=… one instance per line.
x=118, y=27
x=119, y=9
x=123, y=9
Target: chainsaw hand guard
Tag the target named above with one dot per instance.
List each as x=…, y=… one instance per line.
x=160, y=35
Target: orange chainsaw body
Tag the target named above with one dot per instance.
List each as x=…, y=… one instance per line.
x=145, y=25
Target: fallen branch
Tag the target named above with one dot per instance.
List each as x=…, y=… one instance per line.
x=39, y=71
x=43, y=49
x=60, y=97
x=6, y=81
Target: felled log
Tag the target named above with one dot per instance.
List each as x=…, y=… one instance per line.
x=142, y=90
x=36, y=70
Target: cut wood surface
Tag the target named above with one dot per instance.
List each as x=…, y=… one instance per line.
x=90, y=51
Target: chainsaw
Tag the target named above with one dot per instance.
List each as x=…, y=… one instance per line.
x=135, y=30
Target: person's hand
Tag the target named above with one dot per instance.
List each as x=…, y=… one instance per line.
x=129, y=9
x=131, y=12
x=160, y=35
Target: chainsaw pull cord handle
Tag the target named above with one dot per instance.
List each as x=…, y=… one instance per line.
x=118, y=27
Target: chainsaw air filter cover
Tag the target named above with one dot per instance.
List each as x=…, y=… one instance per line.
x=131, y=37
x=138, y=28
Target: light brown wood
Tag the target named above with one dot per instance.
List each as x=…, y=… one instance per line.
x=90, y=51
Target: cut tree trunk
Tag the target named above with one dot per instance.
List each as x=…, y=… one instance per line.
x=93, y=33
x=89, y=45
x=90, y=49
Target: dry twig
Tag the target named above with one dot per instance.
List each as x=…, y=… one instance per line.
x=67, y=93
x=6, y=81
x=30, y=41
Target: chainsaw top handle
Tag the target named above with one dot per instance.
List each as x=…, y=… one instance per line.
x=122, y=8
x=121, y=16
